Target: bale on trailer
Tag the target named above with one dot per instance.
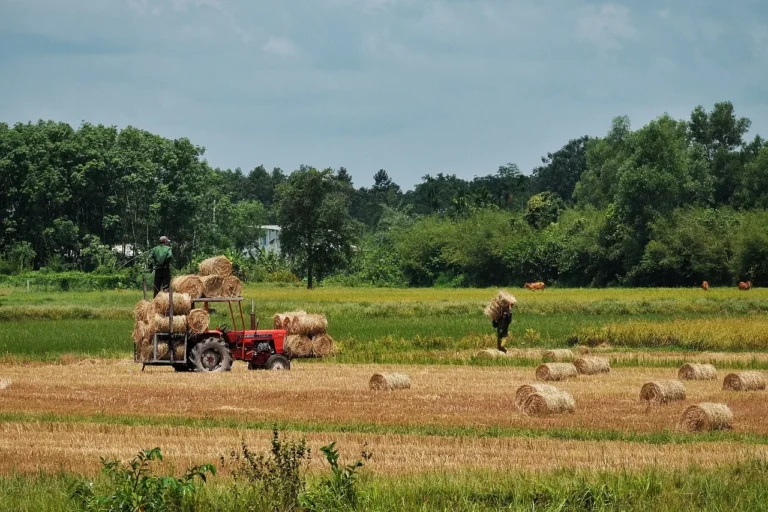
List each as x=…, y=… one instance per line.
x=146, y=351
x=283, y=320
x=706, y=416
x=662, y=391
x=142, y=311
x=231, y=287
x=389, y=381
x=322, y=345
x=198, y=321
x=540, y=404
x=308, y=325
x=140, y=332
x=298, y=346
x=212, y=285
x=217, y=266
x=162, y=324
x=556, y=371
x=744, y=381
x=592, y=365
x=191, y=284
x=182, y=303
x=558, y=354
x=696, y=371
x=498, y=304
x=526, y=390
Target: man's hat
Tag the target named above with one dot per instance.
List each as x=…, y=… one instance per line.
x=164, y=239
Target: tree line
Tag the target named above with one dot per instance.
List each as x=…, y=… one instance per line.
x=672, y=203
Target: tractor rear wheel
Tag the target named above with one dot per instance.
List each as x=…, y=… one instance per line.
x=277, y=362
x=211, y=355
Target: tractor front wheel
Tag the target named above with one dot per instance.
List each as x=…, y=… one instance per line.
x=278, y=362
x=211, y=355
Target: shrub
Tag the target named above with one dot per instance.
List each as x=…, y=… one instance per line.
x=339, y=490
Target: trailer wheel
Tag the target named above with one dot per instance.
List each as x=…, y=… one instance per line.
x=211, y=355
x=278, y=362
x=182, y=367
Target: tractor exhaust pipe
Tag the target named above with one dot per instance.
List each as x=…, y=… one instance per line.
x=253, y=317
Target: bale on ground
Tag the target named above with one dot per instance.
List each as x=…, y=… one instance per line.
x=592, y=365
x=322, y=345
x=489, y=353
x=744, y=381
x=217, y=266
x=539, y=404
x=526, y=390
x=556, y=371
x=231, y=287
x=162, y=324
x=142, y=310
x=308, y=325
x=696, y=371
x=191, y=284
x=558, y=354
x=498, y=304
x=297, y=346
x=706, y=416
x=182, y=303
x=198, y=321
x=662, y=391
x=389, y=381
x=212, y=285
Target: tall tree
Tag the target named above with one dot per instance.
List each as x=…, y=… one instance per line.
x=562, y=169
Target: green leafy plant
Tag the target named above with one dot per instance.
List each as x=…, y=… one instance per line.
x=339, y=491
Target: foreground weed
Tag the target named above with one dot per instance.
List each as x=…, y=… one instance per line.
x=339, y=491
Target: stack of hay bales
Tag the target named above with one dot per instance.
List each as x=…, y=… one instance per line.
x=307, y=334
x=215, y=279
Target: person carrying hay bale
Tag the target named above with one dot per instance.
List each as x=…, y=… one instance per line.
x=500, y=312
x=540, y=404
x=389, y=381
x=160, y=258
x=592, y=365
x=744, y=381
x=705, y=417
x=662, y=391
x=556, y=371
x=695, y=371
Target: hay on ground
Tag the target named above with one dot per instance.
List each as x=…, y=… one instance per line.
x=489, y=353
x=181, y=304
x=540, y=404
x=498, y=304
x=389, y=381
x=162, y=324
x=192, y=285
x=298, y=346
x=592, y=365
x=198, y=321
x=662, y=391
x=526, y=390
x=217, y=266
x=706, y=416
x=142, y=311
x=556, y=371
x=308, y=325
x=744, y=381
x=212, y=285
x=231, y=287
x=323, y=345
x=559, y=354
x=696, y=371
x=4, y=383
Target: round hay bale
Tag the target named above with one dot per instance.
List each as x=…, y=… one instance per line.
x=298, y=346
x=198, y=321
x=541, y=404
x=556, y=371
x=182, y=303
x=526, y=390
x=744, y=381
x=558, y=354
x=162, y=324
x=696, y=371
x=217, y=266
x=662, y=391
x=592, y=365
x=498, y=304
x=139, y=332
x=212, y=285
x=323, y=345
x=231, y=287
x=389, y=381
x=149, y=331
x=142, y=311
x=308, y=325
x=489, y=353
x=191, y=284
x=706, y=416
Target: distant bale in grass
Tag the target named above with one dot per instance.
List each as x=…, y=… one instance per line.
x=162, y=324
x=556, y=371
x=526, y=390
x=181, y=304
x=142, y=311
x=212, y=285
x=308, y=325
x=198, y=321
x=558, y=354
x=744, y=381
x=298, y=346
x=192, y=285
x=217, y=266
x=231, y=287
x=696, y=371
x=389, y=381
x=541, y=404
x=662, y=391
x=498, y=304
x=706, y=416
x=592, y=365
x=489, y=353
x=323, y=345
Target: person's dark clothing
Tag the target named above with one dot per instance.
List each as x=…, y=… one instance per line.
x=162, y=279
x=502, y=328
x=160, y=258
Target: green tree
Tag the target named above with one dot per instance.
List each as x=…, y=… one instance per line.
x=543, y=209
x=562, y=169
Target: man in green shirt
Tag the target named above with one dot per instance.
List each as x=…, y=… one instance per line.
x=160, y=257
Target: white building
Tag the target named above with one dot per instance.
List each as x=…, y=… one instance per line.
x=270, y=240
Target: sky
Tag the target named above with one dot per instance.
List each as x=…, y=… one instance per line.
x=415, y=87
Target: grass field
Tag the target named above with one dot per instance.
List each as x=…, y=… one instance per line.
x=455, y=440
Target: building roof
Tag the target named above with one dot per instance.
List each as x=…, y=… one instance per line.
x=271, y=226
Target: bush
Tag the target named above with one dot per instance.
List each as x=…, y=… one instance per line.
x=339, y=490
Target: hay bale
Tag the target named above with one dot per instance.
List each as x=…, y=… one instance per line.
x=139, y=332
x=540, y=404
x=231, y=287
x=744, y=381
x=198, y=321
x=498, y=304
x=323, y=345
x=556, y=371
x=559, y=354
x=662, y=391
x=389, y=381
x=489, y=353
x=4, y=383
x=706, y=416
x=298, y=346
x=308, y=325
x=162, y=324
x=142, y=311
x=182, y=303
x=526, y=390
x=284, y=320
x=696, y=371
x=212, y=285
x=217, y=266
x=192, y=285
x=592, y=365
x=146, y=351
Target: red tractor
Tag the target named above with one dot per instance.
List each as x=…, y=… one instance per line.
x=214, y=350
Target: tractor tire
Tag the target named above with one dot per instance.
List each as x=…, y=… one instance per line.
x=211, y=355
x=278, y=362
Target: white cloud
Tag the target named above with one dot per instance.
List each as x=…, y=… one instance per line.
x=607, y=28
x=280, y=46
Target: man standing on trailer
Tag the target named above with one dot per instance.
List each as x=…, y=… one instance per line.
x=160, y=257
